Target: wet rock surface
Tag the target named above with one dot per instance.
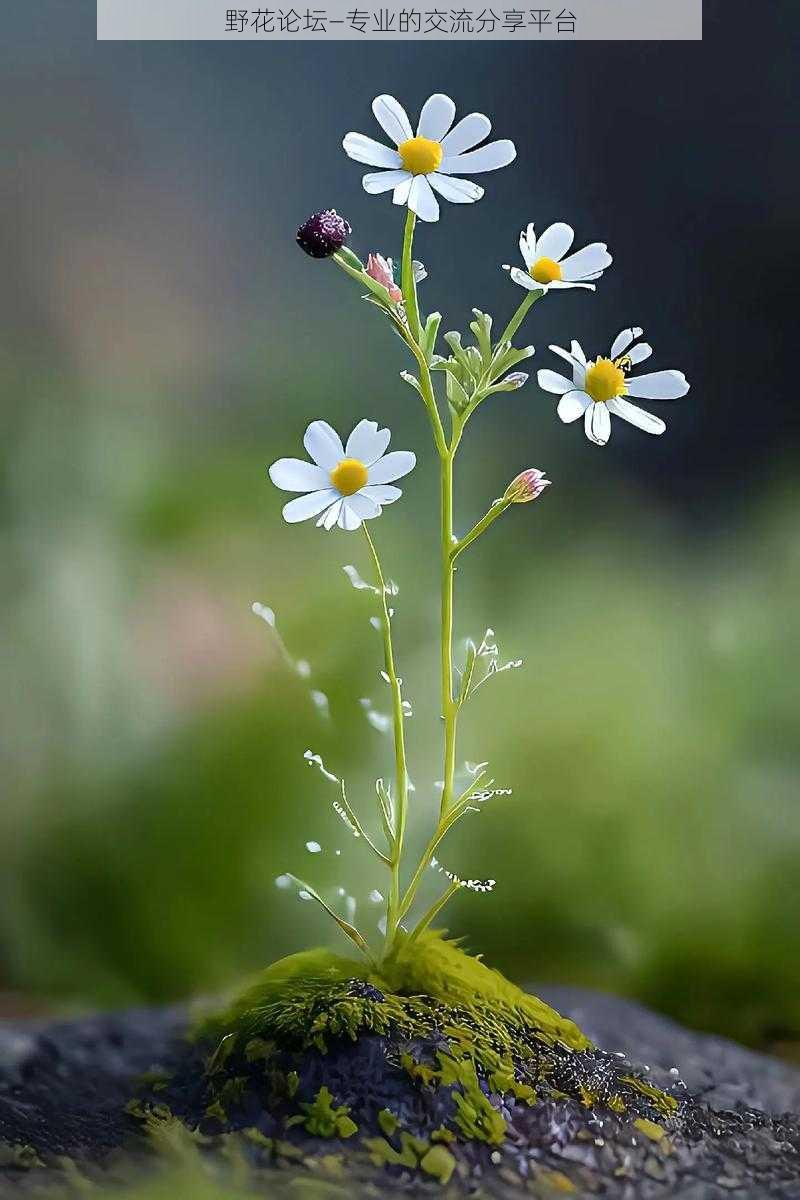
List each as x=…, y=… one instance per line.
x=64, y=1088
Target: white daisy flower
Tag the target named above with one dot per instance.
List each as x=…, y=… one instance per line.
x=432, y=159
x=598, y=388
x=344, y=485
x=545, y=264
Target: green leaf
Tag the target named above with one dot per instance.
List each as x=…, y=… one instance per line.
x=453, y=340
x=352, y=260
x=345, y=926
x=482, y=329
x=411, y=380
x=457, y=398
x=430, y=334
x=469, y=669
x=506, y=357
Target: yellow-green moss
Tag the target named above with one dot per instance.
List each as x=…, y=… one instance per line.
x=277, y=1003
x=495, y=1034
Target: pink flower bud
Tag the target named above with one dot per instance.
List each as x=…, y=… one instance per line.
x=380, y=269
x=526, y=487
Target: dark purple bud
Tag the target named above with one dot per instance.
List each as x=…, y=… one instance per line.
x=323, y=233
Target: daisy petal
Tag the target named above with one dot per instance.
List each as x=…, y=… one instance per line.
x=296, y=475
x=363, y=506
x=555, y=241
x=349, y=519
x=421, y=199
x=367, y=150
x=367, y=442
x=527, y=246
x=578, y=367
x=525, y=280
x=636, y=416
x=381, y=493
x=392, y=118
x=467, y=133
x=383, y=181
x=329, y=518
x=639, y=353
x=323, y=444
x=572, y=405
x=436, y=117
x=401, y=192
x=597, y=424
x=551, y=381
x=564, y=286
x=303, y=507
x=577, y=352
x=585, y=262
x=392, y=466
x=623, y=340
x=485, y=158
x=457, y=191
x=660, y=385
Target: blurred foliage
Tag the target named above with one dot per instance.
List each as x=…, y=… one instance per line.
x=162, y=341
x=153, y=735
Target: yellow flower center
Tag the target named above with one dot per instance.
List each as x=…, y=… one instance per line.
x=420, y=155
x=605, y=380
x=545, y=270
x=348, y=476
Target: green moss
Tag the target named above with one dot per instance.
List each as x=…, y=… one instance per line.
x=323, y=1119
x=277, y=1003
x=439, y=1163
x=661, y=1100
x=496, y=1035
x=650, y=1129
x=387, y=1121
x=23, y=1157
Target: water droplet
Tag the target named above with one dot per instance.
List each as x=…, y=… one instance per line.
x=266, y=614
x=375, y=896
x=313, y=848
x=283, y=881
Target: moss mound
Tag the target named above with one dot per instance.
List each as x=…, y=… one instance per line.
x=424, y=1068
x=314, y=989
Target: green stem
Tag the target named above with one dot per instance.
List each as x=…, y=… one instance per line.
x=433, y=911
x=480, y=527
x=401, y=772
x=519, y=316
x=407, y=284
x=449, y=706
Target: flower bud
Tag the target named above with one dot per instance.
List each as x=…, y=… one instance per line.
x=380, y=269
x=526, y=487
x=323, y=233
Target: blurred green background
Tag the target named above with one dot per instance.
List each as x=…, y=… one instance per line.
x=162, y=341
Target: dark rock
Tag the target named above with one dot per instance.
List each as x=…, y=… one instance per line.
x=64, y=1087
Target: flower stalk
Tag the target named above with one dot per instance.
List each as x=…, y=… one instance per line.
x=401, y=769
x=347, y=485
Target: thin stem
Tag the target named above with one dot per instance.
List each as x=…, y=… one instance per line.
x=347, y=268
x=449, y=706
x=479, y=527
x=407, y=284
x=519, y=316
x=433, y=911
x=446, y=823
x=401, y=773
x=429, y=398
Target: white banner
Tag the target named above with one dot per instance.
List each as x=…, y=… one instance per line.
x=335, y=20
